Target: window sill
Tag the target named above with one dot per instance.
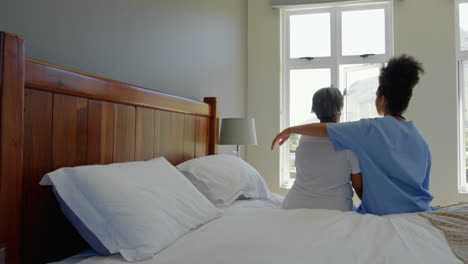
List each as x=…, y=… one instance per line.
x=463, y=189
x=286, y=185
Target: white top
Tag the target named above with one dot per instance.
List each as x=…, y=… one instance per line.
x=322, y=176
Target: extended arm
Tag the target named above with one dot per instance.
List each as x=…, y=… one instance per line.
x=356, y=180
x=313, y=130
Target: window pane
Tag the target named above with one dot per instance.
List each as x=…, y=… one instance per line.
x=361, y=82
x=363, y=32
x=303, y=85
x=310, y=35
x=464, y=26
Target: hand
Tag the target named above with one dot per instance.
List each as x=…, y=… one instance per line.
x=281, y=137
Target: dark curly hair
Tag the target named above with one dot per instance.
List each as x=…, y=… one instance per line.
x=396, y=82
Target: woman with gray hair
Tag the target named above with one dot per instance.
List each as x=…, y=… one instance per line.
x=323, y=175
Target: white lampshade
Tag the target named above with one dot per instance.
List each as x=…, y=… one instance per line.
x=238, y=131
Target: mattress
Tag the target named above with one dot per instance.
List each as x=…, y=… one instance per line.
x=258, y=232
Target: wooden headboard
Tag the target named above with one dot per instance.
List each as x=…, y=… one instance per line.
x=53, y=117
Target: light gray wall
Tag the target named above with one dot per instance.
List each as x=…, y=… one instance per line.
x=430, y=37
x=263, y=89
x=188, y=48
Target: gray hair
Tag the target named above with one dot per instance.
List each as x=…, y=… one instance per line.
x=327, y=103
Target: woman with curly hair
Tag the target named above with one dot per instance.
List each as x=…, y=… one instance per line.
x=394, y=157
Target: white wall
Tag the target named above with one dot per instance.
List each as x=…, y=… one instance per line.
x=263, y=88
x=188, y=48
x=430, y=37
x=422, y=28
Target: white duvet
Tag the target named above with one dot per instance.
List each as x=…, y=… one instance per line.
x=268, y=235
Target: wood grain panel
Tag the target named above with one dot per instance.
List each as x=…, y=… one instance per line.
x=144, y=143
x=41, y=212
x=213, y=124
x=124, y=133
x=100, y=132
x=201, y=138
x=171, y=137
x=177, y=138
x=157, y=133
x=70, y=131
x=189, y=137
x=37, y=161
x=11, y=141
x=48, y=77
x=165, y=147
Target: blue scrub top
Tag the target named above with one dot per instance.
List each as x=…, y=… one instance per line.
x=395, y=163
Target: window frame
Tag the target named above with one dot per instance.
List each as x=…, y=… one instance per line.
x=462, y=56
x=332, y=62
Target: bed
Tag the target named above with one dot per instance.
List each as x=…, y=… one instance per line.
x=53, y=117
x=71, y=118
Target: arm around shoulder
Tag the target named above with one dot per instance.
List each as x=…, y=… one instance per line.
x=313, y=130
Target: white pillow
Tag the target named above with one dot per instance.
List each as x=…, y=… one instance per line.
x=135, y=208
x=223, y=178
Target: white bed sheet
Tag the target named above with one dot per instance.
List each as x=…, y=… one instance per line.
x=248, y=205
x=238, y=206
x=269, y=235
x=77, y=258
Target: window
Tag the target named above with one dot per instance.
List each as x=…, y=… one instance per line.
x=339, y=45
x=462, y=58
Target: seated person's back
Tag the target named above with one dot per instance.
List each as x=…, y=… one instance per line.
x=322, y=176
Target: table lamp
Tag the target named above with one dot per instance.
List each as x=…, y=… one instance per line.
x=238, y=131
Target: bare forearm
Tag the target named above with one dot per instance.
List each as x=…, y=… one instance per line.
x=313, y=130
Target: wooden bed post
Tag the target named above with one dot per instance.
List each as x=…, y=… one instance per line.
x=11, y=142
x=214, y=124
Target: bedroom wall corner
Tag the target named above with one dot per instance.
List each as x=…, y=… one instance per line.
x=425, y=29
x=263, y=88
